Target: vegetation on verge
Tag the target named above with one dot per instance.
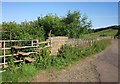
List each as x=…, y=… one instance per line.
x=68, y=55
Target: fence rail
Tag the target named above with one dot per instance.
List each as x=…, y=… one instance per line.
x=3, y=48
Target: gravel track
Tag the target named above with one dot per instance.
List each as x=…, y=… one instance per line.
x=107, y=63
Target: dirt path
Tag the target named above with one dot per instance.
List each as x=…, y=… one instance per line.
x=82, y=71
x=101, y=67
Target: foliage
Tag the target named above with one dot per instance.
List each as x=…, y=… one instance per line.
x=26, y=31
x=11, y=65
x=22, y=73
x=43, y=59
x=71, y=25
x=108, y=32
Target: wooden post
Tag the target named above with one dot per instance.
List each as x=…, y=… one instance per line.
x=4, y=54
x=50, y=44
x=50, y=33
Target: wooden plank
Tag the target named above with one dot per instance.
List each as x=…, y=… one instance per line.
x=18, y=61
x=43, y=42
x=16, y=47
x=20, y=47
x=23, y=53
x=29, y=59
x=26, y=54
x=32, y=52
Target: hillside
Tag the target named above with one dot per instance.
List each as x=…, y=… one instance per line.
x=106, y=28
x=106, y=32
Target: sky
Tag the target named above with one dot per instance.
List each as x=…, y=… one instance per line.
x=60, y=0
x=102, y=14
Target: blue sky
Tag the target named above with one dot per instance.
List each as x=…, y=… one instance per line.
x=101, y=13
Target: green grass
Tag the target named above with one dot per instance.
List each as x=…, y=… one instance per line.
x=109, y=32
x=71, y=54
x=67, y=56
x=19, y=74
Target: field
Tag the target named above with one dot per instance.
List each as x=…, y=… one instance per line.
x=108, y=32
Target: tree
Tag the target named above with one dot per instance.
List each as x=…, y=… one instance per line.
x=75, y=24
x=71, y=25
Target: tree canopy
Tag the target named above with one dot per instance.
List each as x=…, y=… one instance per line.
x=72, y=25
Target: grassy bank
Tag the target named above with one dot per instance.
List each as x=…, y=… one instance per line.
x=68, y=55
x=109, y=32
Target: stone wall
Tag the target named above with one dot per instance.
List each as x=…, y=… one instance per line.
x=77, y=42
x=56, y=43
